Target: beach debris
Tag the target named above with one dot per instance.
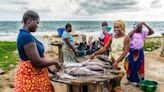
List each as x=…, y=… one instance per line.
x=1, y=71
x=11, y=66
x=11, y=85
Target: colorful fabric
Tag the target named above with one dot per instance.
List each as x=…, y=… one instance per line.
x=137, y=40
x=135, y=24
x=107, y=28
x=106, y=38
x=135, y=71
x=23, y=39
x=68, y=54
x=115, y=84
x=31, y=79
x=69, y=36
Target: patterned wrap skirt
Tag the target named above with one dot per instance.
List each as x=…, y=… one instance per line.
x=68, y=54
x=135, y=71
x=28, y=78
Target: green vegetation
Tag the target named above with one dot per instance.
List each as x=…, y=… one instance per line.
x=7, y=54
x=152, y=43
x=1, y=84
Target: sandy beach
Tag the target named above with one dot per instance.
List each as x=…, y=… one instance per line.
x=154, y=70
x=87, y=21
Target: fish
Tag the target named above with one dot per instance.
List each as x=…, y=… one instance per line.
x=69, y=65
x=81, y=71
x=63, y=75
x=95, y=62
x=95, y=68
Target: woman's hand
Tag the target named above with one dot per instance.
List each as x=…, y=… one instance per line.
x=115, y=64
x=76, y=51
x=92, y=56
x=58, y=66
x=143, y=23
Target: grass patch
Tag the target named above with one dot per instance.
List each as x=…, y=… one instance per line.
x=1, y=86
x=7, y=55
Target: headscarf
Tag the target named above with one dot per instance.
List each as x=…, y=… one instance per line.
x=122, y=23
x=135, y=24
x=107, y=28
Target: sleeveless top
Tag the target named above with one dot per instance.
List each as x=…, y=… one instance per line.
x=117, y=49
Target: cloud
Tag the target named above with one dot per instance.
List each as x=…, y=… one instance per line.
x=19, y=2
x=84, y=9
x=157, y=4
x=105, y=6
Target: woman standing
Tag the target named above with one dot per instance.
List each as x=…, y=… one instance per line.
x=120, y=47
x=135, y=71
x=32, y=73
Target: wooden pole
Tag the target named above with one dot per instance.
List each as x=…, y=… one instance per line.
x=60, y=52
x=162, y=50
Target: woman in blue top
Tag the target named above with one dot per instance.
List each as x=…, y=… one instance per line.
x=32, y=74
x=69, y=50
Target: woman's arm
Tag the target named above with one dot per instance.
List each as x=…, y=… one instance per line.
x=132, y=32
x=76, y=43
x=135, y=29
x=70, y=45
x=102, y=50
x=151, y=31
x=33, y=55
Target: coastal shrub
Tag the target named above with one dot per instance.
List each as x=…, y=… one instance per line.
x=153, y=43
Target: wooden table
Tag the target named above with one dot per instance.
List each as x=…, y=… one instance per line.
x=59, y=45
x=84, y=84
x=88, y=85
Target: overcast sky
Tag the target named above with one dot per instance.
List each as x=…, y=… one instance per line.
x=84, y=9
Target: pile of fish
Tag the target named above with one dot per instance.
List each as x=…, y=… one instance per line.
x=74, y=70
x=81, y=71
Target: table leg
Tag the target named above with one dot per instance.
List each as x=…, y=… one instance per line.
x=60, y=54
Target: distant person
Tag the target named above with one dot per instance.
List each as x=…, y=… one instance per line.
x=69, y=50
x=105, y=31
x=135, y=71
x=32, y=73
x=105, y=35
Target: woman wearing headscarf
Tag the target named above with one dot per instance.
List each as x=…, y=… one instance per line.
x=120, y=47
x=135, y=71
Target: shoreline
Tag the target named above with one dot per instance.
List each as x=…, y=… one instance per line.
x=13, y=36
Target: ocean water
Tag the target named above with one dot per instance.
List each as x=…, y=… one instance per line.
x=9, y=29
